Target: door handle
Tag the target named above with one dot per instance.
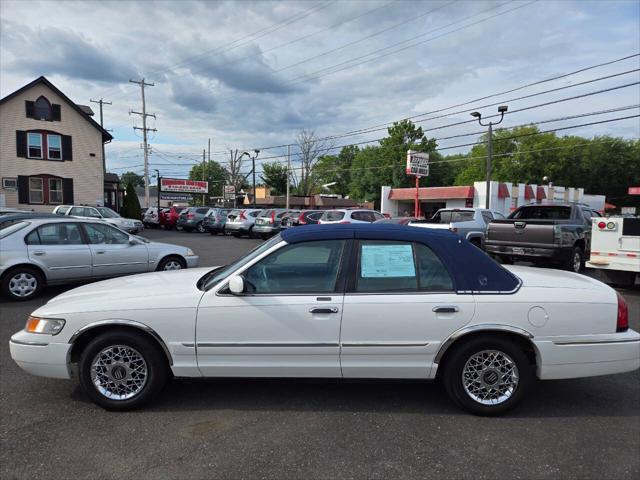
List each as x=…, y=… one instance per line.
x=445, y=309
x=39, y=253
x=323, y=310
x=101, y=251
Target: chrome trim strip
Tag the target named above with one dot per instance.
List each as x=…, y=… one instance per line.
x=30, y=344
x=258, y=344
x=598, y=342
x=130, y=323
x=383, y=344
x=190, y=345
x=478, y=328
x=70, y=267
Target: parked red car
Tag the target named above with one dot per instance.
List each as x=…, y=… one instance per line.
x=169, y=217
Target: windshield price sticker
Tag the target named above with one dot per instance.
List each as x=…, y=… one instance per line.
x=384, y=261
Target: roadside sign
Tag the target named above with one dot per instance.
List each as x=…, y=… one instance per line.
x=634, y=191
x=176, y=197
x=179, y=185
x=417, y=163
x=229, y=189
x=628, y=210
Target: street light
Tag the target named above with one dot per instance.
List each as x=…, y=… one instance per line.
x=502, y=109
x=253, y=170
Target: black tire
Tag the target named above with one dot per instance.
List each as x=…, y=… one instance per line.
x=456, y=361
x=476, y=242
x=264, y=236
x=575, y=261
x=157, y=371
x=237, y=235
x=212, y=232
x=250, y=233
x=170, y=260
x=22, y=274
x=200, y=228
x=505, y=260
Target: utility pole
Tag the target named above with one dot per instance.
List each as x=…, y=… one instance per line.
x=502, y=109
x=144, y=129
x=158, y=190
x=203, y=176
x=288, y=172
x=104, y=160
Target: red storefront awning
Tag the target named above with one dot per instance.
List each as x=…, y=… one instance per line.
x=528, y=193
x=503, y=191
x=431, y=193
x=540, y=194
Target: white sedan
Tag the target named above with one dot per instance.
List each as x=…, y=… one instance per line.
x=344, y=301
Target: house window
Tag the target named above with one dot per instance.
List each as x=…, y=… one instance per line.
x=36, y=190
x=54, y=147
x=10, y=183
x=43, y=109
x=34, y=145
x=55, y=190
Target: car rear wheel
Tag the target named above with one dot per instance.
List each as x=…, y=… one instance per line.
x=575, y=262
x=171, y=263
x=487, y=376
x=122, y=370
x=22, y=283
x=200, y=228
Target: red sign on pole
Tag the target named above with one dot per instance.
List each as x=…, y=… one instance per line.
x=634, y=191
x=183, y=186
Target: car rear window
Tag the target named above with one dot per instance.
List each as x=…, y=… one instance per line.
x=202, y=210
x=62, y=210
x=332, y=215
x=540, y=212
x=265, y=213
x=449, y=216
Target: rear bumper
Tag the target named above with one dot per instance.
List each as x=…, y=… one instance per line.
x=588, y=355
x=555, y=254
x=266, y=229
x=37, y=355
x=237, y=227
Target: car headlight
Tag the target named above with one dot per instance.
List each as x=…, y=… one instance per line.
x=51, y=326
x=190, y=253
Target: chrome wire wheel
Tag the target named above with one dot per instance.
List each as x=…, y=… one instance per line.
x=119, y=372
x=577, y=261
x=23, y=284
x=490, y=377
x=172, y=265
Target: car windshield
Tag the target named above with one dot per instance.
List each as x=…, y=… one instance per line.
x=11, y=228
x=107, y=212
x=218, y=274
x=333, y=215
x=543, y=213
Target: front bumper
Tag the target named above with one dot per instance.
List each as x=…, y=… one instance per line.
x=588, y=355
x=192, y=261
x=40, y=355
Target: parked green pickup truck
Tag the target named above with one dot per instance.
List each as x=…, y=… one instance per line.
x=554, y=233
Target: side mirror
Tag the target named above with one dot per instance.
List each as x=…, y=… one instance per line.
x=236, y=285
x=133, y=241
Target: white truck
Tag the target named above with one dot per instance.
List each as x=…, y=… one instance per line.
x=615, y=249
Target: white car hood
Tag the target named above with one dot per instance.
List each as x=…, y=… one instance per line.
x=174, y=289
x=546, y=277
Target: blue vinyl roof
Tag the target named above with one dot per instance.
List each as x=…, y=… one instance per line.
x=472, y=269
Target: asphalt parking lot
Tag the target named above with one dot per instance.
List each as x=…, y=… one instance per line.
x=586, y=428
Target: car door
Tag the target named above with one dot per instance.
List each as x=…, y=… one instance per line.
x=400, y=305
x=112, y=253
x=61, y=249
x=287, y=324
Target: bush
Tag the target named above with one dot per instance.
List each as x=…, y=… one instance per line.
x=131, y=205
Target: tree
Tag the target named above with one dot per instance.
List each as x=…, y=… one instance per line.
x=213, y=173
x=234, y=177
x=311, y=148
x=274, y=175
x=336, y=169
x=132, y=177
x=131, y=204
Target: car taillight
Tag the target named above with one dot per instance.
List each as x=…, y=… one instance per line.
x=301, y=219
x=622, y=324
x=242, y=215
x=190, y=215
x=273, y=217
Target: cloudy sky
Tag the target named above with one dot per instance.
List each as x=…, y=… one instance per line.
x=252, y=74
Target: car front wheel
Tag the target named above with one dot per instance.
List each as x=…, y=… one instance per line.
x=22, y=283
x=122, y=370
x=171, y=263
x=487, y=376
x=200, y=228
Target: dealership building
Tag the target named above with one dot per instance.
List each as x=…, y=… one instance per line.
x=505, y=197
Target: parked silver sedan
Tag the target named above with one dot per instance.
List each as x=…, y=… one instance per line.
x=50, y=251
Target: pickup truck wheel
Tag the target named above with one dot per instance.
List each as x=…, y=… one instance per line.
x=575, y=262
x=487, y=376
x=122, y=370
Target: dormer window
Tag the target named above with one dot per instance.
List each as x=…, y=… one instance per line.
x=42, y=109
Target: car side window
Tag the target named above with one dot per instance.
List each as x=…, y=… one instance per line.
x=255, y=214
x=386, y=266
x=433, y=275
x=57, y=234
x=487, y=216
x=586, y=213
x=32, y=238
x=105, y=234
x=378, y=216
x=309, y=267
x=79, y=211
x=498, y=216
